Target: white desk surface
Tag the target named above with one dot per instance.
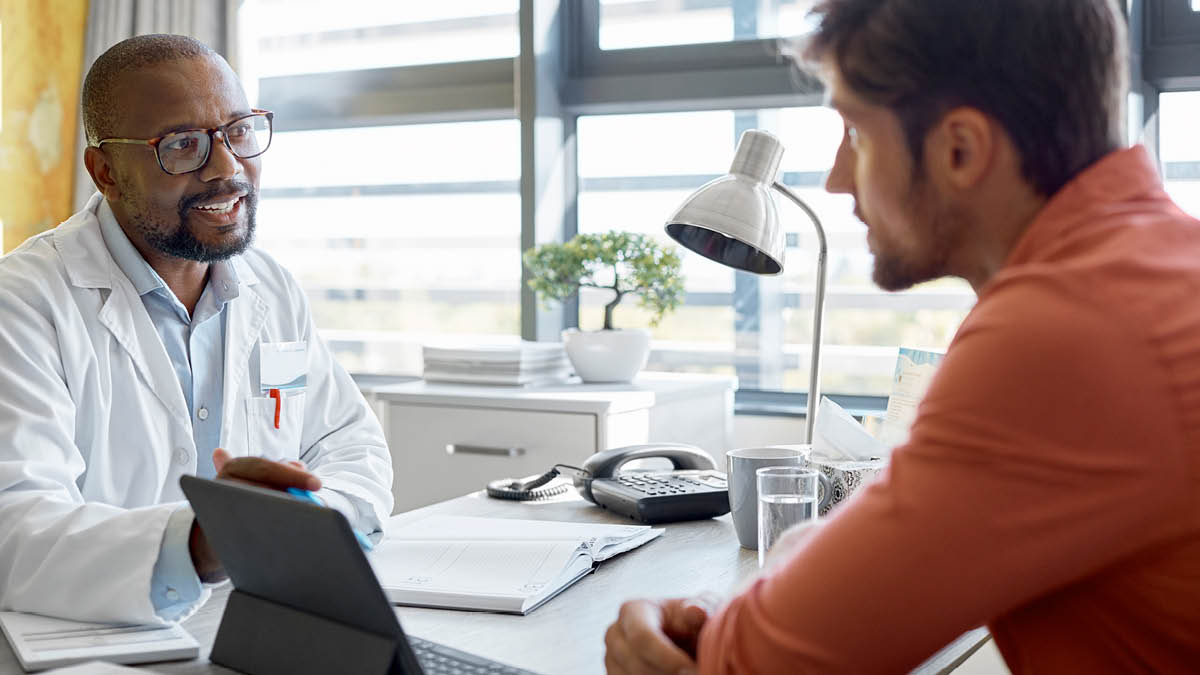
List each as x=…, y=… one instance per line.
x=566, y=635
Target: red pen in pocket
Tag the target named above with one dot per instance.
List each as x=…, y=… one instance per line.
x=278, y=405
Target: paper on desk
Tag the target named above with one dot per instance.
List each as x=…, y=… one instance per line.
x=97, y=668
x=472, y=568
x=601, y=540
x=838, y=436
x=45, y=642
x=914, y=373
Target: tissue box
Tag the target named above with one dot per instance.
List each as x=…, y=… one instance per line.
x=845, y=476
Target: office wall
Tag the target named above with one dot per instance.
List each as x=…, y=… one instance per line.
x=42, y=57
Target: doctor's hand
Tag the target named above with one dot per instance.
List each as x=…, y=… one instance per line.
x=656, y=636
x=256, y=471
x=264, y=472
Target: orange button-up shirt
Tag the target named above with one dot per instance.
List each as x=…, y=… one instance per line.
x=1050, y=487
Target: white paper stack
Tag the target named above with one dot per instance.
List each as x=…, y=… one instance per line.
x=516, y=363
x=42, y=642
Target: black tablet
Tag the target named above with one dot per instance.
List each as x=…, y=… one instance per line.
x=292, y=552
x=297, y=569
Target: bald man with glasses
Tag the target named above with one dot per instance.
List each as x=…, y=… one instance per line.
x=144, y=339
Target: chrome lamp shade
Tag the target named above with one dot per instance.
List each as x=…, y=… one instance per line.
x=732, y=220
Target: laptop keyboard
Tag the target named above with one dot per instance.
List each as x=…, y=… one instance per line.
x=438, y=659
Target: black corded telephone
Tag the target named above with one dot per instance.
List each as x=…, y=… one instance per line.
x=693, y=490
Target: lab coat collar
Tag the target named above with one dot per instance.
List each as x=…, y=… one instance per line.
x=129, y=260
x=91, y=264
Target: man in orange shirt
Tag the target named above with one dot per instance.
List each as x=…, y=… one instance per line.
x=1050, y=487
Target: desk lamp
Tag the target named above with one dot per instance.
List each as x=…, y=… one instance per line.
x=732, y=220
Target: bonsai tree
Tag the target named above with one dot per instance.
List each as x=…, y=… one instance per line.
x=622, y=262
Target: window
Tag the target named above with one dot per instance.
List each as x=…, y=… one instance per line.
x=287, y=37
x=395, y=238
x=757, y=328
x=393, y=189
x=647, y=23
x=1179, y=148
x=393, y=251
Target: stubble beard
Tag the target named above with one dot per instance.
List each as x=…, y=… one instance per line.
x=899, y=268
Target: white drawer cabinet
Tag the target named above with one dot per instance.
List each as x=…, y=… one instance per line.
x=447, y=440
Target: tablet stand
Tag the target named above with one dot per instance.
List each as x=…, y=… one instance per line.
x=261, y=637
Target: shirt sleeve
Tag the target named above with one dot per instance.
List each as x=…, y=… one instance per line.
x=342, y=442
x=356, y=511
x=1046, y=448
x=175, y=590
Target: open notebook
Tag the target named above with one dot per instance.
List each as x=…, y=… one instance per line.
x=493, y=564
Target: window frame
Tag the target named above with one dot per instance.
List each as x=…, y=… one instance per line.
x=561, y=73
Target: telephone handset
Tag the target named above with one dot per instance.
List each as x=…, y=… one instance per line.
x=693, y=490
x=607, y=463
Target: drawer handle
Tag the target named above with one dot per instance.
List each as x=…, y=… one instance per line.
x=460, y=449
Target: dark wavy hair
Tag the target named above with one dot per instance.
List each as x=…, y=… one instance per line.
x=1052, y=73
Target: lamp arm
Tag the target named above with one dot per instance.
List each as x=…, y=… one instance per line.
x=814, y=371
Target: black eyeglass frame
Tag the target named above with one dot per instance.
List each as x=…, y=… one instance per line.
x=154, y=142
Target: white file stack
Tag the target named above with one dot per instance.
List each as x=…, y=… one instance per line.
x=514, y=364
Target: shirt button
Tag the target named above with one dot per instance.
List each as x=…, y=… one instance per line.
x=172, y=594
x=181, y=456
x=202, y=414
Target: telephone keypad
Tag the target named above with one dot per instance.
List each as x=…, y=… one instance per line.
x=666, y=496
x=652, y=484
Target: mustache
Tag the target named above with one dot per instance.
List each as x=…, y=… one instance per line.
x=217, y=190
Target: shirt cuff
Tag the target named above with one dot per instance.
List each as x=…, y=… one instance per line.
x=175, y=589
x=346, y=505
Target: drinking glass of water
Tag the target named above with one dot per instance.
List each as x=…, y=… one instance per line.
x=787, y=495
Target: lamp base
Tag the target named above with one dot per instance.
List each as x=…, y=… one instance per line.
x=607, y=355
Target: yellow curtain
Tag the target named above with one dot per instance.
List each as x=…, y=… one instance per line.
x=41, y=50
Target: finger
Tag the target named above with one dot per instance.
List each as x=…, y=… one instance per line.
x=220, y=457
x=276, y=475
x=298, y=464
x=614, y=667
x=642, y=627
x=684, y=618
x=619, y=657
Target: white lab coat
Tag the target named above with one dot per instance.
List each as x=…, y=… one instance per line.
x=95, y=432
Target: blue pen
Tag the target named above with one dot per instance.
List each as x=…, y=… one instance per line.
x=305, y=495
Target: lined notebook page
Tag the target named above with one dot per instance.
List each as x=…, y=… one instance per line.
x=515, y=569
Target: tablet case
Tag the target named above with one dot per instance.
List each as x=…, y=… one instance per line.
x=305, y=599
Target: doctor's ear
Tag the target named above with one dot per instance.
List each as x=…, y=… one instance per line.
x=102, y=172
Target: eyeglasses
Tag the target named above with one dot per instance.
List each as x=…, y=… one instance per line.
x=186, y=151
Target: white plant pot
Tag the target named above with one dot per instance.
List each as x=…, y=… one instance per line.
x=607, y=355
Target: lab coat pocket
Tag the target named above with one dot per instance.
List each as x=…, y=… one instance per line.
x=265, y=438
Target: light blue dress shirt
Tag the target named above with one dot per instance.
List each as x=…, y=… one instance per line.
x=196, y=347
